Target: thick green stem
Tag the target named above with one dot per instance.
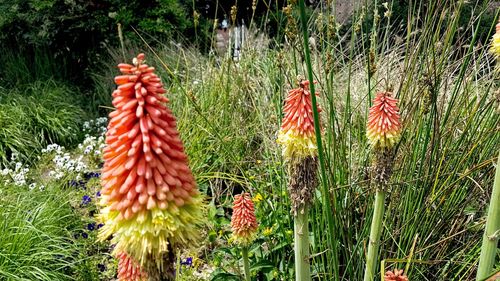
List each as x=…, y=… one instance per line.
x=246, y=263
x=375, y=233
x=492, y=231
x=317, y=129
x=302, y=267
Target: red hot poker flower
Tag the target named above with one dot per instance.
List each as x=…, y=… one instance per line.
x=384, y=128
x=297, y=130
x=149, y=195
x=243, y=222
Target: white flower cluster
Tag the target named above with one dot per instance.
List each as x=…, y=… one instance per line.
x=92, y=145
x=65, y=164
x=96, y=126
x=34, y=185
x=18, y=175
x=53, y=147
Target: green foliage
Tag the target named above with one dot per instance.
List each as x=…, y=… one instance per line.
x=76, y=32
x=36, y=228
x=36, y=115
x=160, y=18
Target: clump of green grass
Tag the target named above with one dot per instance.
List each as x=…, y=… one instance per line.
x=36, y=241
x=38, y=114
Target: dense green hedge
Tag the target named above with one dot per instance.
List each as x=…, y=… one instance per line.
x=75, y=32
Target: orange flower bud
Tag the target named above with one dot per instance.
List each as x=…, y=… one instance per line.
x=243, y=221
x=297, y=134
x=397, y=275
x=383, y=129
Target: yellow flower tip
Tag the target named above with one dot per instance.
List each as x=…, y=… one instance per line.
x=383, y=128
x=297, y=146
x=297, y=135
x=495, y=42
x=150, y=233
x=243, y=221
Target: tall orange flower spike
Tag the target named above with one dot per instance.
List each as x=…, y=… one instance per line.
x=243, y=221
x=129, y=270
x=384, y=128
x=397, y=275
x=297, y=134
x=149, y=196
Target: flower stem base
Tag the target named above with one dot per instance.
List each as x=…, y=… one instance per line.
x=301, y=232
x=375, y=233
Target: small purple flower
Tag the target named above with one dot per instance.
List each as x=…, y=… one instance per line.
x=86, y=200
x=98, y=194
x=85, y=235
x=187, y=261
x=100, y=225
x=91, y=226
x=91, y=175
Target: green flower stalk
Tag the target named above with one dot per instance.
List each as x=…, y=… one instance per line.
x=298, y=139
x=491, y=232
x=383, y=131
x=492, y=229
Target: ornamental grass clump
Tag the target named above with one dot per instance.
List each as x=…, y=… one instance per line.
x=383, y=132
x=244, y=226
x=151, y=205
x=492, y=228
x=298, y=140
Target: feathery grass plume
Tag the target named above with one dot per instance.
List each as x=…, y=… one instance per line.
x=495, y=42
x=397, y=275
x=129, y=270
x=291, y=28
x=243, y=222
x=150, y=201
x=244, y=226
x=298, y=139
x=383, y=131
